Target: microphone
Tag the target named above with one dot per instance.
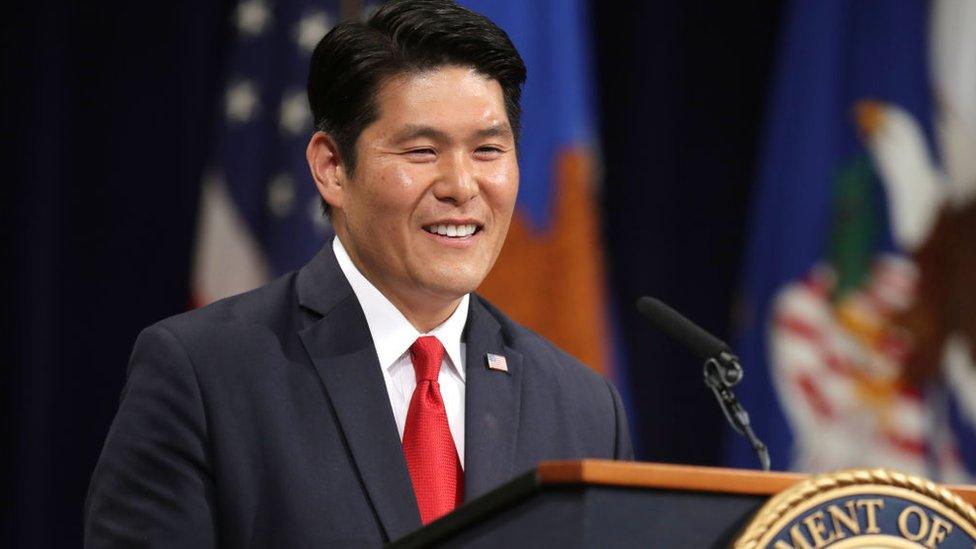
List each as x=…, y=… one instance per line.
x=692, y=336
x=722, y=369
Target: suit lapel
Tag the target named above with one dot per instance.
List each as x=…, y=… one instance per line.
x=492, y=400
x=344, y=356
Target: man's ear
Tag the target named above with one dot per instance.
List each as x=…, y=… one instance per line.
x=327, y=167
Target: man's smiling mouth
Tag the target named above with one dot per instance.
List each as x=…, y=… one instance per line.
x=453, y=231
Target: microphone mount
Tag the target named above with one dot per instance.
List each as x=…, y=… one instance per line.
x=721, y=374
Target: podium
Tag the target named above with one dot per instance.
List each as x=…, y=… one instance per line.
x=595, y=503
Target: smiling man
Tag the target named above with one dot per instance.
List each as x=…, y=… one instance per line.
x=370, y=392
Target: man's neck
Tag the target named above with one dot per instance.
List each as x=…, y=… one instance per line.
x=423, y=312
x=423, y=316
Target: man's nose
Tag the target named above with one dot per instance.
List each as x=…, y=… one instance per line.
x=458, y=181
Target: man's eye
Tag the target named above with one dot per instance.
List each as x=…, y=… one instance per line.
x=488, y=151
x=424, y=153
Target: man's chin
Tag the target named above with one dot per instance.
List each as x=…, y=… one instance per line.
x=452, y=293
x=449, y=288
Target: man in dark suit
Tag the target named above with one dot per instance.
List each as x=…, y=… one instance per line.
x=370, y=392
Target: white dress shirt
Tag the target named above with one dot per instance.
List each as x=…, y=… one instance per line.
x=393, y=335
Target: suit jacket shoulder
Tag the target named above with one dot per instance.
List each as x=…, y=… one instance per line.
x=258, y=317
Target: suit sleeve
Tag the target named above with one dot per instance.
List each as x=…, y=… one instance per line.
x=152, y=485
x=623, y=448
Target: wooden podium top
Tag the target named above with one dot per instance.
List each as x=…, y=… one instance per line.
x=558, y=476
x=682, y=477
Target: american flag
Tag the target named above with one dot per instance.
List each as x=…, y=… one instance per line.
x=260, y=214
x=497, y=362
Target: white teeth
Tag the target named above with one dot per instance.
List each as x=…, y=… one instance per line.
x=455, y=231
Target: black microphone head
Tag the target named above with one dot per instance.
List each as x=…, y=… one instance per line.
x=686, y=332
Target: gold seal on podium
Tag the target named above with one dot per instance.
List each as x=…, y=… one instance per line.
x=862, y=509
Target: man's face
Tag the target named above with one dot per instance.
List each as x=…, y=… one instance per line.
x=426, y=211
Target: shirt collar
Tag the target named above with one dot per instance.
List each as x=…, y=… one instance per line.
x=392, y=333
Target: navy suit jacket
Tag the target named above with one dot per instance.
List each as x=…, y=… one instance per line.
x=263, y=420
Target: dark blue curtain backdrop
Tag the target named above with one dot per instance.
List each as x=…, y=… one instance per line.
x=107, y=122
x=108, y=110
x=682, y=88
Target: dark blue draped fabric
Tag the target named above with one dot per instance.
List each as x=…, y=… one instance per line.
x=107, y=110
x=682, y=86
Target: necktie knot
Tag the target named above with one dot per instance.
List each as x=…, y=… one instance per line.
x=426, y=355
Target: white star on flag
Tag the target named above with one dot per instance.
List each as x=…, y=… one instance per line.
x=281, y=195
x=295, y=117
x=241, y=101
x=252, y=17
x=311, y=28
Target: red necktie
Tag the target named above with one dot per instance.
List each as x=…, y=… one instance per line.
x=432, y=458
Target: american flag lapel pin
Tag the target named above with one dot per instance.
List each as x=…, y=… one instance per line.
x=497, y=362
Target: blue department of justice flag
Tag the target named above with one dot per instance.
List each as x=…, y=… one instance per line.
x=550, y=274
x=854, y=354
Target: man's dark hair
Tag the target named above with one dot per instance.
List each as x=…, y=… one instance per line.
x=407, y=36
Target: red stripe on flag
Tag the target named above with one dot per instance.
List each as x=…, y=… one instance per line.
x=813, y=395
